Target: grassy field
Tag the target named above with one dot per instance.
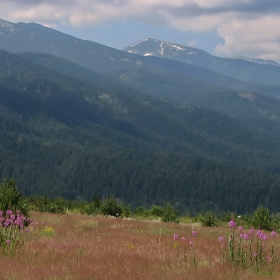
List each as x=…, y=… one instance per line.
x=72, y=246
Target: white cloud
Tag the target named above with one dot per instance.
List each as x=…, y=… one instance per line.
x=247, y=26
x=258, y=37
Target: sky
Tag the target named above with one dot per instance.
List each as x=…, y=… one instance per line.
x=224, y=28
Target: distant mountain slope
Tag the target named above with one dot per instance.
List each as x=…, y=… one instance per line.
x=257, y=71
x=249, y=107
x=35, y=38
x=257, y=60
x=62, y=136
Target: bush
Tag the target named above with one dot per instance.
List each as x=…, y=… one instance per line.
x=156, y=211
x=111, y=207
x=170, y=214
x=141, y=211
x=90, y=209
x=208, y=219
x=11, y=198
x=262, y=218
x=125, y=210
x=45, y=204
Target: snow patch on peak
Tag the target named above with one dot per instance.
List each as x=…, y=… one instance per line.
x=161, y=48
x=7, y=25
x=148, y=54
x=191, y=53
x=139, y=42
x=178, y=48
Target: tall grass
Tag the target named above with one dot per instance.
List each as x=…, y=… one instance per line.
x=93, y=247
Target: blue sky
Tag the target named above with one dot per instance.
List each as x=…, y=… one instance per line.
x=221, y=27
x=121, y=34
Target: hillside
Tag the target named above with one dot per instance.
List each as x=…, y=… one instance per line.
x=63, y=136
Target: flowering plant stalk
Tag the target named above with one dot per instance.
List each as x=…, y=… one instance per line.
x=232, y=225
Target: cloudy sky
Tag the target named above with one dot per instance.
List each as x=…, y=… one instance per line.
x=221, y=27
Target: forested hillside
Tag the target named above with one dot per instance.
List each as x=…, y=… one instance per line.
x=63, y=135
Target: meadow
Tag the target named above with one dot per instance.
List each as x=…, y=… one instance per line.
x=75, y=246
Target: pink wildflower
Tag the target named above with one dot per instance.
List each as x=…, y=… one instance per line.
x=262, y=236
x=232, y=224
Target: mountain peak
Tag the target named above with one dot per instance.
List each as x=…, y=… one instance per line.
x=160, y=48
x=6, y=27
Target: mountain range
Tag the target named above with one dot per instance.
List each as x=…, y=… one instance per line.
x=253, y=70
x=78, y=118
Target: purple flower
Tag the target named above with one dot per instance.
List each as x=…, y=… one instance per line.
x=194, y=233
x=259, y=232
x=221, y=239
x=273, y=234
x=176, y=237
x=191, y=243
x=240, y=228
x=245, y=236
x=8, y=241
x=232, y=224
x=262, y=236
x=183, y=238
x=251, y=230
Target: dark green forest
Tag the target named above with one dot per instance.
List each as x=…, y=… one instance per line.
x=67, y=135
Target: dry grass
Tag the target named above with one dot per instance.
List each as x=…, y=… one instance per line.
x=81, y=247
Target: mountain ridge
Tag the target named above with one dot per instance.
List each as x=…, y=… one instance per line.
x=234, y=67
x=103, y=59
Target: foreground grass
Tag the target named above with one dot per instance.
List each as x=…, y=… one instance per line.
x=91, y=247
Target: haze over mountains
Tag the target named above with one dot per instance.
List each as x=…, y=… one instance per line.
x=79, y=118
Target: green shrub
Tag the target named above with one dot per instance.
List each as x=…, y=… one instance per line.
x=141, y=211
x=90, y=209
x=156, y=211
x=11, y=198
x=262, y=218
x=170, y=214
x=111, y=207
x=208, y=219
x=125, y=210
x=226, y=216
x=46, y=204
